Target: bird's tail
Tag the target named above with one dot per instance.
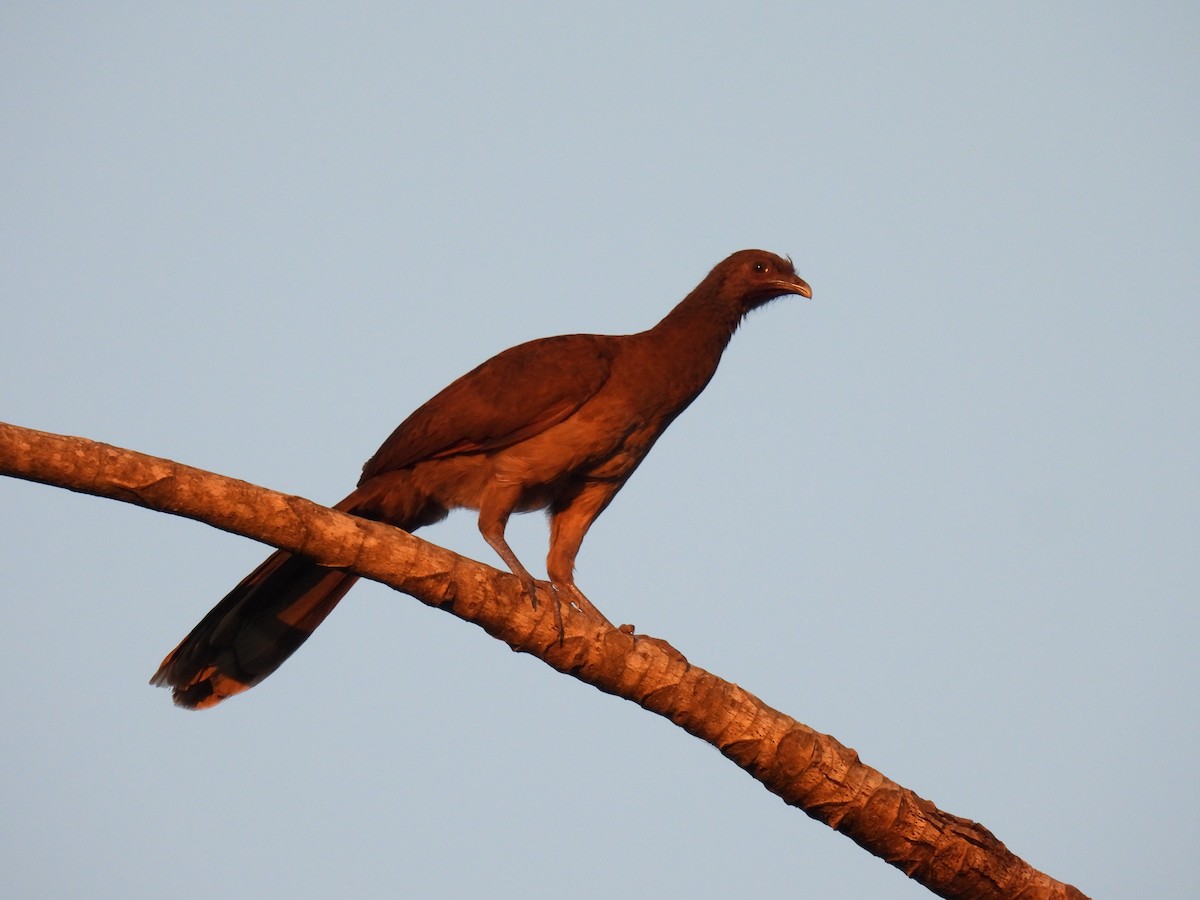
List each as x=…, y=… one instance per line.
x=249, y=634
x=262, y=621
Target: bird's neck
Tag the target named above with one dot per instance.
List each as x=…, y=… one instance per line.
x=682, y=351
x=700, y=326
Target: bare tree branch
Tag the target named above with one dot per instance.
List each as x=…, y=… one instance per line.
x=951, y=856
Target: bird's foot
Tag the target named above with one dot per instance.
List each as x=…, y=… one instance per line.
x=531, y=590
x=531, y=587
x=558, y=617
x=574, y=598
x=568, y=597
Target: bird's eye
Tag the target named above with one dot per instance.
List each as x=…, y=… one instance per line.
x=760, y=267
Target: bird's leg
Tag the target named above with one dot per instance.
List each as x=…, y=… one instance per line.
x=568, y=525
x=491, y=526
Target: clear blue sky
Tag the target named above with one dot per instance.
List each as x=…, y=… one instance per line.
x=947, y=511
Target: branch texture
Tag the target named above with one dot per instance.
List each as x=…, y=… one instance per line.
x=951, y=856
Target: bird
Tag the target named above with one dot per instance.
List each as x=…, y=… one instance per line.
x=556, y=424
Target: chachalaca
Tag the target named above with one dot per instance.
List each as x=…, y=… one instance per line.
x=557, y=424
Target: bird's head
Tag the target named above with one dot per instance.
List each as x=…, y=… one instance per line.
x=757, y=276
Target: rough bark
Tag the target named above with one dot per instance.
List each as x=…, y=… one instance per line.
x=951, y=856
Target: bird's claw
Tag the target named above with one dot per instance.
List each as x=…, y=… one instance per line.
x=576, y=600
x=531, y=590
x=566, y=596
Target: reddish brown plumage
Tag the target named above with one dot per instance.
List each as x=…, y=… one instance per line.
x=558, y=424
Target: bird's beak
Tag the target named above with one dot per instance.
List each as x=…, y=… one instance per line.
x=794, y=285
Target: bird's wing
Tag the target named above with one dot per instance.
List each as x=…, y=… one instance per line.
x=513, y=396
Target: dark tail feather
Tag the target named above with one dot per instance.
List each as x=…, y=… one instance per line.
x=249, y=634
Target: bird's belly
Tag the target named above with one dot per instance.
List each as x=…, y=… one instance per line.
x=455, y=482
x=576, y=450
